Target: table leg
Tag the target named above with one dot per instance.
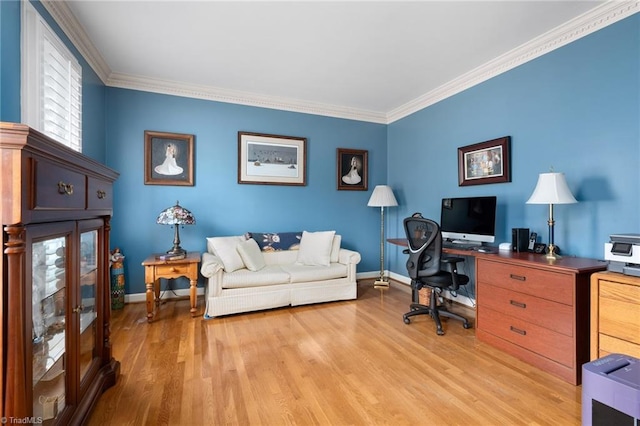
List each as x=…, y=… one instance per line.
x=156, y=286
x=149, y=301
x=193, y=297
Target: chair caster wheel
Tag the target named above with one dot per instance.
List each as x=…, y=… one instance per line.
x=466, y=325
x=440, y=332
x=406, y=320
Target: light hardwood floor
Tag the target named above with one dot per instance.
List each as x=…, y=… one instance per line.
x=339, y=363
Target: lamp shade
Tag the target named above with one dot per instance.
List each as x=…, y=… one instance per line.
x=382, y=196
x=176, y=215
x=552, y=188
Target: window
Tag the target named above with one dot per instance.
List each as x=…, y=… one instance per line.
x=51, y=82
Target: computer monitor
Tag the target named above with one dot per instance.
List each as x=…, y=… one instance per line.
x=468, y=220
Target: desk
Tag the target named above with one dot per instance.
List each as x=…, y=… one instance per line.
x=155, y=269
x=533, y=308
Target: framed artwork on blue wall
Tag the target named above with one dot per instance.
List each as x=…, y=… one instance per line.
x=168, y=158
x=485, y=162
x=271, y=159
x=352, y=169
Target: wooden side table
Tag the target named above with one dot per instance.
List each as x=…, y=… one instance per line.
x=155, y=269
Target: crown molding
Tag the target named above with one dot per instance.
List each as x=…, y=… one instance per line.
x=581, y=26
x=127, y=81
x=67, y=21
x=591, y=21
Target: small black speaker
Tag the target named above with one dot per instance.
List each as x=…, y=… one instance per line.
x=519, y=239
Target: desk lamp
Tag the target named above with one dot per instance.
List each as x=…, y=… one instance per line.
x=176, y=216
x=382, y=197
x=551, y=189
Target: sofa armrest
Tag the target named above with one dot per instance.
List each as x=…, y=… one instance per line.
x=347, y=257
x=210, y=265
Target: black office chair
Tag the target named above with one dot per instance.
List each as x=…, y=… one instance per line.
x=427, y=267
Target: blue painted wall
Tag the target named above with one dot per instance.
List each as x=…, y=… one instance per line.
x=221, y=205
x=576, y=109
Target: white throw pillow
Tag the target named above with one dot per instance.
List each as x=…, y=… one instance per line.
x=225, y=249
x=251, y=255
x=315, y=248
x=335, y=249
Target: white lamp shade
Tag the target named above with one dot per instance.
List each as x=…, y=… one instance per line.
x=382, y=196
x=552, y=188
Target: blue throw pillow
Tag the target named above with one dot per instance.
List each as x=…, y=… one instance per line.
x=268, y=241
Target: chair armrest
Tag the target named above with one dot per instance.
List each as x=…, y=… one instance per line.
x=448, y=259
x=210, y=265
x=349, y=257
x=452, y=266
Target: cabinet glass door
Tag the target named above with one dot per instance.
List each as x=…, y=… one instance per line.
x=49, y=274
x=87, y=308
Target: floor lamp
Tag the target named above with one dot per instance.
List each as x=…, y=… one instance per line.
x=382, y=197
x=551, y=189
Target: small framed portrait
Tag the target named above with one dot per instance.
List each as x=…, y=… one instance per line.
x=484, y=162
x=352, y=169
x=168, y=158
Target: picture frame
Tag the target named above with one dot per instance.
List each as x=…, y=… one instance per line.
x=352, y=169
x=168, y=158
x=265, y=159
x=485, y=162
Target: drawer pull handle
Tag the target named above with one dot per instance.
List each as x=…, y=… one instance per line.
x=517, y=277
x=518, y=304
x=173, y=270
x=65, y=188
x=101, y=194
x=517, y=330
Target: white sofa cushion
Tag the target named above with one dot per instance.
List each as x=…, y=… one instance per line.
x=226, y=249
x=251, y=255
x=269, y=275
x=315, y=248
x=335, y=248
x=303, y=273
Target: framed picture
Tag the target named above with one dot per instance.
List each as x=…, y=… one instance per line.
x=271, y=159
x=484, y=162
x=352, y=169
x=168, y=158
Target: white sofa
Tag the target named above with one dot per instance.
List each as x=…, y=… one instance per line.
x=242, y=276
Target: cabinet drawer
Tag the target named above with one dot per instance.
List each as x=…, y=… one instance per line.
x=536, y=282
x=540, y=340
x=99, y=194
x=610, y=345
x=174, y=270
x=619, y=306
x=542, y=312
x=55, y=187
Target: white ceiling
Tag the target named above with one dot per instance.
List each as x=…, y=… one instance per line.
x=370, y=60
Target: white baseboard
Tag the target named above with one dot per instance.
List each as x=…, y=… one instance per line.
x=165, y=294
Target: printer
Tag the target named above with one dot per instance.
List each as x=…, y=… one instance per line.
x=623, y=254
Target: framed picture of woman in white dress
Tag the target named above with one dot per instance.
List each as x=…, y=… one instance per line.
x=352, y=169
x=168, y=158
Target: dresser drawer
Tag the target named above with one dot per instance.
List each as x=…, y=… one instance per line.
x=99, y=194
x=535, y=310
x=610, y=345
x=175, y=270
x=536, y=282
x=545, y=342
x=619, y=306
x=55, y=187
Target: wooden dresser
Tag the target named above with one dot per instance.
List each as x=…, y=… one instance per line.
x=536, y=309
x=615, y=314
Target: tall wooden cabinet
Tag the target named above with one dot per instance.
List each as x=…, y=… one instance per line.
x=55, y=210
